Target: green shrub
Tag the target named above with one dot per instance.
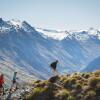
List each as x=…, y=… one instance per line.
x=90, y=95
x=79, y=97
x=53, y=79
x=35, y=94
x=37, y=81
x=94, y=81
x=97, y=91
x=41, y=94
x=78, y=86
x=69, y=83
x=97, y=73
x=71, y=98
x=62, y=95
x=86, y=75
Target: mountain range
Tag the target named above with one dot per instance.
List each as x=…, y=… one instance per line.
x=30, y=50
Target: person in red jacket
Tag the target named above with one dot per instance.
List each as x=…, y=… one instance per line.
x=1, y=83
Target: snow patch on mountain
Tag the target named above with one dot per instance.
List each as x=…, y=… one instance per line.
x=92, y=31
x=58, y=35
x=16, y=22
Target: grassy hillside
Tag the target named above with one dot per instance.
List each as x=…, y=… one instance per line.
x=78, y=86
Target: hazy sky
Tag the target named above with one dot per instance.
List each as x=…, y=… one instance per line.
x=53, y=14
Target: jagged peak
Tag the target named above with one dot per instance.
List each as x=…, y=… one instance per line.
x=1, y=20
x=15, y=22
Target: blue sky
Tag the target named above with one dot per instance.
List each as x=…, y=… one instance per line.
x=53, y=14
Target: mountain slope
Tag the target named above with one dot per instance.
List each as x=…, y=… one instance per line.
x=77, y=86
x=93, y=65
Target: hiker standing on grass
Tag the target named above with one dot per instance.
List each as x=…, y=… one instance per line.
x=14, y=81
x=12, y=86
x=53, y=66
x=1, y=83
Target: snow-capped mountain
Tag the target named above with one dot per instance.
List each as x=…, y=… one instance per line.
x=30, y=50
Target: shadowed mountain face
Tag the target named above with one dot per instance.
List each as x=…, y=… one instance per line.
x=30, y=50
x=93, y=65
